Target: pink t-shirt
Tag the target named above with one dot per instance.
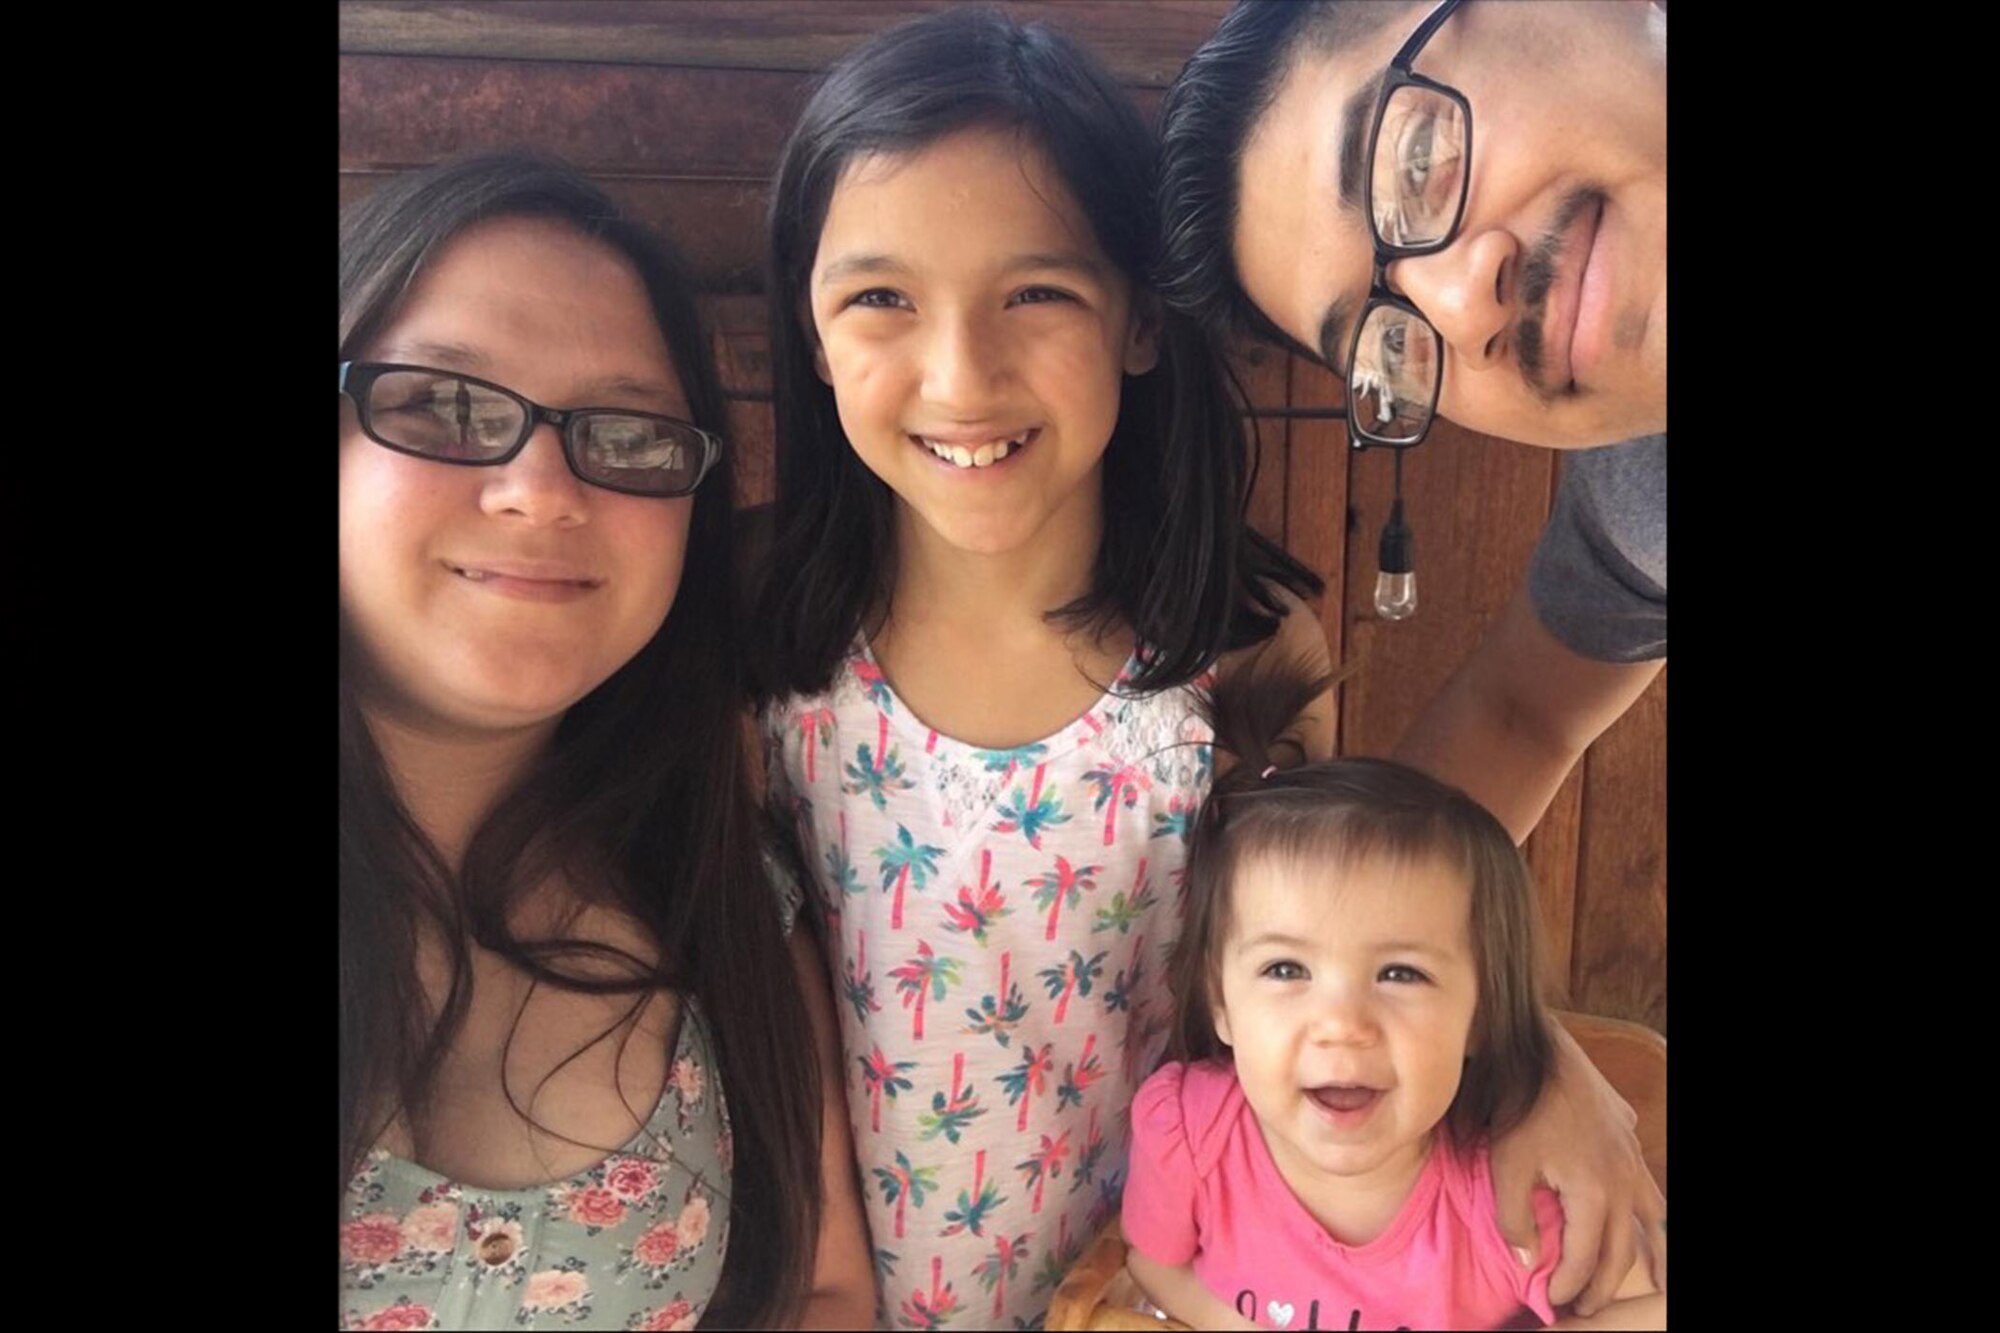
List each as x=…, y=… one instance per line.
x=1204, y=1188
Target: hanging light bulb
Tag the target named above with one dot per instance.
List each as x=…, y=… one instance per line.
x=1396, y=584
x=1395, y=558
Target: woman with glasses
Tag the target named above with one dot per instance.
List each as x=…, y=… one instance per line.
x=586, y=1062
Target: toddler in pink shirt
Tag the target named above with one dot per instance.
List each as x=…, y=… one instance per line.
x=1205, y=1190
x=1358, y=1011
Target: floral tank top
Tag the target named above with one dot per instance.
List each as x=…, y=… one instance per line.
x=999, y=924
x=635, y=1242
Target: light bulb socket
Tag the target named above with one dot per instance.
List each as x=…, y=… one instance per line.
x=1396, y=553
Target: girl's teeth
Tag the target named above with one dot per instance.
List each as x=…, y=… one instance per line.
x=986, y=455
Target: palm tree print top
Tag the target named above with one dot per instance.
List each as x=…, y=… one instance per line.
x=999, y=927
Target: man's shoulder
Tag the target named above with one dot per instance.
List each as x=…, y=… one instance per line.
x=1640, y=462
x=1598, y=580
x=1620, y=492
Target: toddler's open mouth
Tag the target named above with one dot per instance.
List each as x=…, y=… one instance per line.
x=1345, y=1100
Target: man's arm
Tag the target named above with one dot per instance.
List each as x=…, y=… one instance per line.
x=1636, y=1304
x=1579, y=1141
x=1513, y=720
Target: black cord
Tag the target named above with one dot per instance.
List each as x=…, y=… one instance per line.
x=1396, y=553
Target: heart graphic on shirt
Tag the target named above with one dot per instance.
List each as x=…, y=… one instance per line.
x=1281, y=1315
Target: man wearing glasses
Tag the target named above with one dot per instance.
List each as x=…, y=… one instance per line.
x=1461, y=209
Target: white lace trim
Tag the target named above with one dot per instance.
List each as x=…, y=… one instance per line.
x=1160, y=741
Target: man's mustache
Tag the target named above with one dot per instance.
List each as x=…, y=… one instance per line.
x=1538, y=277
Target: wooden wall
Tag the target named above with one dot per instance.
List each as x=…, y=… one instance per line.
x=679, y=109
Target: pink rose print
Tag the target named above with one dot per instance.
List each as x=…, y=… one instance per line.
x=432, y=1228
x=630, y=1179
x=658, y=1246
x=374, y=1239
x=553, y=1288
x=396, y=1317
x=678, y=1315
x=693, y=1223
x=595, y=1207
x=688, y=1079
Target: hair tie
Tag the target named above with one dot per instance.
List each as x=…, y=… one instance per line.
x=1269, y=769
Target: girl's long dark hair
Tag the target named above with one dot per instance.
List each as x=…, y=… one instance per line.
x=1178, y=562
x=1334, y=814
x=643, y=800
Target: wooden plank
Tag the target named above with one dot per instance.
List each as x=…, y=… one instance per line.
x=1264, y=373
x=1144, y=45
x=1476, y=506
x=1619, y=967
x=613, y=120
x=743, y=363
x=719, y=225
x=1316, y=499
x=753, y=444
x=742, y=342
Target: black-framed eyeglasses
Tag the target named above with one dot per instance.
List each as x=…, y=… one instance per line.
x=448, y=417
x=1414, y=187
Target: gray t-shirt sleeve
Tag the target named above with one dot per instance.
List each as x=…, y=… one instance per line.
x=1599, y=577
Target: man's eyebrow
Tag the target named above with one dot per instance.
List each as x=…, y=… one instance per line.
x=849, y=266
x=1333, y=335
x=1357, y=117
x=1284, y=342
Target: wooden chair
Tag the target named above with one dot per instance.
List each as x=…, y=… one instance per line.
x=1098, y=1292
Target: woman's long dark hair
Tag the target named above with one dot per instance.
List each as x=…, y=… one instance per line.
x=1177, y=563
x=1334, y=814
x=643, y=800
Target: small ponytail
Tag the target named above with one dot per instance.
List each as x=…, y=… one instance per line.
x=1253, y=711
